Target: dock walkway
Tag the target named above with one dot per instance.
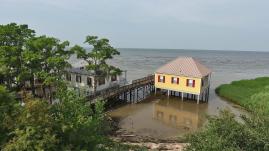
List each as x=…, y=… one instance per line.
x=134, y=91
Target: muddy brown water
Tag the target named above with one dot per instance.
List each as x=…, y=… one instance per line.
x=160, y=117
x=163, y=117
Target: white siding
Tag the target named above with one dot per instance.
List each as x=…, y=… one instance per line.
x=84, y=87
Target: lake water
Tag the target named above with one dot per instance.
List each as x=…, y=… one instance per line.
x=179, y=117
x=160, y=117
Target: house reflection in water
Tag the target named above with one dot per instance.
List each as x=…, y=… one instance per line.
x=178, y=114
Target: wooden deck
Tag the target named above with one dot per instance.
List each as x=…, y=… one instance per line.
x=145, y=83
x=138, y=90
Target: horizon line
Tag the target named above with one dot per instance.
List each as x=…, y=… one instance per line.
x=194, y=49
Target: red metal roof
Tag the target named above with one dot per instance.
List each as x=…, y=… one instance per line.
x=185, y=66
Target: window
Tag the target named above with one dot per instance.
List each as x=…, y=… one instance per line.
x=101, y=81
x=68, y=77
x=113, y=78
x=190, y=83
x=175, y=80
x=161, y=79
x=78, y=78
x=89, y=81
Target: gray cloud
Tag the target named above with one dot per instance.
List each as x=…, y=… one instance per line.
x=193, y=24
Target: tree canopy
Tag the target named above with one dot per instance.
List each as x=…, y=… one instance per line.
x=9, y=110
x=36, y=124
x=13, y=38
x=227, y=134
x=97, y=58
x=34, y=128
x=67, y=125
x=45, y=59
x=24, y=57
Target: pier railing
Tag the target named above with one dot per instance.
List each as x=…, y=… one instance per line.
x=118, y=90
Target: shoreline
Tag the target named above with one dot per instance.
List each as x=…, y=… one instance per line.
x=248, y=99
x=122, y=136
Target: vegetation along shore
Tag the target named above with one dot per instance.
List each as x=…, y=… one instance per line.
x=251, y=94
x=226, y=133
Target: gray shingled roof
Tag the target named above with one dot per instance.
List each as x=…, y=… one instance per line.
x=185, y=66
x=80, y=70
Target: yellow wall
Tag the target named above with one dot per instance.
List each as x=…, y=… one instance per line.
x=181, y=87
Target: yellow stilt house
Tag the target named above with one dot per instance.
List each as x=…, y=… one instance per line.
x=185, y=76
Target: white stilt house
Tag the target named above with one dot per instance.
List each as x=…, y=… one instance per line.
x=83, y=81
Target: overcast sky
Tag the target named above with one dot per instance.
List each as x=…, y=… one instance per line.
x=179, y=24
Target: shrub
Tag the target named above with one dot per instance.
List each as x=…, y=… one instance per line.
x=226, y=133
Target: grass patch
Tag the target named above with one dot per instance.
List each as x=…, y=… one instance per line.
x=251, y=94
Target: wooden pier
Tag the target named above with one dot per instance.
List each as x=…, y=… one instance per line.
x=136, y=91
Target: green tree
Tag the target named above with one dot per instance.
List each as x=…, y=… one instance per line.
x=46, y=59
x=12, y=44
x=9, y=110
x=79, y=127
x=97, y=58
x=69, y=124
x=34, y=129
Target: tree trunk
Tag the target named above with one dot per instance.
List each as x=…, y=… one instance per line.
x=9, y=85
x=44, y=91
x=94, y=85
x=50, y=95
x=32, y=83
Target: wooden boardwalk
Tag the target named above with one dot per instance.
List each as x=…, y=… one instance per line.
x=130, y=92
